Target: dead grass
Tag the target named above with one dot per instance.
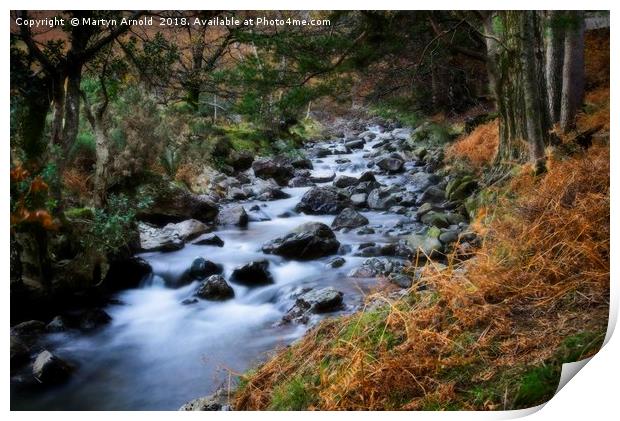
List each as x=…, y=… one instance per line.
x=541, y=275
x=479, y=147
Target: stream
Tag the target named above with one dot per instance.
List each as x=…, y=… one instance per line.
x=157, y=353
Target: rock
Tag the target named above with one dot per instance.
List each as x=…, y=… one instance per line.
x=365, y=230
x=392, y=164
x=349, y=218
x=234, y=215
x=400, y=279
x=375, y=266
x=200, y=269
x=323, y=200
x=19, y=352
x=449, y=236
x=241, y=160
x=336, y=262
x=218, y=401
x=126, y=273
x=355, y=144
x=308, y=241
x=425, y=245
x=302, y=163
x=367, y=176
x=300, y=182
x=322, y=176
x=420, y=181
x=189, y=301
x=209, y=240
x=382, y=198
x=437, y=219
x=425, y=208
x=58, y=324
x=50, y=369
x=189, y=229
x=28, y=328
x=155, y=239
x=433, y=195
x=235, y=193
x=359, y=200
x=459, y=189
x=320, y=301
x=258, y=216
x=252, y=274
x=276, y=168
x=94, y=318
x=215, y=288
x=401, y=133
x=174, y=204
x=343, y=181
x=266, y=190
x=320, y=152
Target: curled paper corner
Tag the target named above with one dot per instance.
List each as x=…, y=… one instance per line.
x=568, y=372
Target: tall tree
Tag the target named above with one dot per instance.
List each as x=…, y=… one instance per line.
x=573, y=69
x=554, y=60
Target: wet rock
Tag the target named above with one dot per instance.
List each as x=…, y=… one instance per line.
x=458, y=189
x=189, y=229
x=57, y=324
x=365, y=231
x=252, y=274
x=401, y=133
x=375, y=266
x=189, y=301
x=396, y=249
x=94, y=318
x=367, y=176
x=311, y=240
x=400, y=279
x=320, y=152
x=448, y=237
x=343, y=181
x=300, y=182
x=421, y=181
x=426, y=245
x=28, y=328
x=302, y=163
x=235, y=193
x=382, y=198
x=323, y=200
x=50, y=369
x=174, y=204
x=336, y=262
x=276, y=168
x=320, y=301
x=218, y=401
x=371, y=251
x=200, y=269
x=355, y=144
x=322, y=176
x=391, y=164
x=433, y=195
x=126, y=273
x=349, y=218
x=215, y=288
x=159, y=239
x=20, y=354
x=359, y=200
x=209, y=240
x=437, y=219
x=235, y=215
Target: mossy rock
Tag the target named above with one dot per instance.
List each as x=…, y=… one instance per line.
x=79, y=213
x=436, y=219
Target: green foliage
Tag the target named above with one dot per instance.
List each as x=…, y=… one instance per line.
x=294, y=395
x=111, y=228
x=398, y=110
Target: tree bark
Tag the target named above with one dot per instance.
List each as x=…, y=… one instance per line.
x=573, y=70
x=531, y=94
x=554, y=60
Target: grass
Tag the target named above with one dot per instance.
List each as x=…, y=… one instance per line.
x=477, y=148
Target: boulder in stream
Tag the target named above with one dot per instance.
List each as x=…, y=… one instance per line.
x=159, y=239
x=317, y=301
x=252, y=274
x=323, y=200
x=392, y=163
x=209, y=240
x=349, y=218
x=50, y=369
x=311, y=240
x=235, y=215
x=215, y=288
x=277, y=168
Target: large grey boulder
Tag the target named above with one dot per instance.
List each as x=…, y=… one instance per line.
x=392, y=163
x=382, y=198
x=252, y=274
x=420, y=181
x=277, y=168
x=215, y=288
x=50, y=369
x=159, y=239
x=234, y=215
x=189, y=229
x=219, y=401
x=323, y=200
x=349, y=218
x=308, y=241
x=320, y=300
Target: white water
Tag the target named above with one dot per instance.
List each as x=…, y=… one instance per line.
x=158, y=353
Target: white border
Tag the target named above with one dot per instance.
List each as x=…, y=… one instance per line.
x=591, y=394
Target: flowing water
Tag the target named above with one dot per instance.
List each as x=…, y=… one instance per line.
x=158, y=353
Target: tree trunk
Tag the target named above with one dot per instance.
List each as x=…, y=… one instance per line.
x=72, y=107
x=531, y=94
x=573, y=70
x=554, y=59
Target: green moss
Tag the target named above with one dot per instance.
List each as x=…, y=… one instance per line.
x=79, y=213
x=294, y=395
x=307, y=129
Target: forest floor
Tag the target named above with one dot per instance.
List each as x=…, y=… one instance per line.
x=490, y=332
